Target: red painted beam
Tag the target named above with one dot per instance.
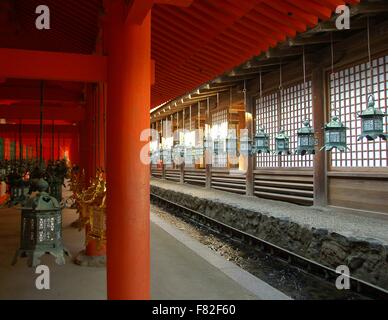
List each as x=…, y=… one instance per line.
x=17, y=93
x=178, y=3
x=7, y=129
x=73, y=114
x=25, y=64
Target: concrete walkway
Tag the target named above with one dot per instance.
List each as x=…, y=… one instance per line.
x=178, y=272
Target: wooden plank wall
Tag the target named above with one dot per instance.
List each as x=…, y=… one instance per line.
x=286, y=185
x=359, y=191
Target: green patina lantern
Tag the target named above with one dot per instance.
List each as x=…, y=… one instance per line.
x=372, y=122
x=306, y=139
x=261, y=142
x=335, y=135
x=41, y=228
x=282, y=143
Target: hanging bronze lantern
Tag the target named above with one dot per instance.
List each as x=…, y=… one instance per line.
x=282, y=143
x=306, y=139
x=261, y=142
x=372, y=122
x=335, y=135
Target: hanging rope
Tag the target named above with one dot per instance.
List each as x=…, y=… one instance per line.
x=190, y=118
x=370, y=60
x=245, y=94
x=260, y=92
x=281, y=85
x=199, y=115
x=332, y=72
x=304, y=84
x=42, y=84
x=230, y=97
x=184, y=119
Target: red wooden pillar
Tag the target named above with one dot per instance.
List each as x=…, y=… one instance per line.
x=128, y=180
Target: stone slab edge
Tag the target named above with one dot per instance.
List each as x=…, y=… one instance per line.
x=259, y=288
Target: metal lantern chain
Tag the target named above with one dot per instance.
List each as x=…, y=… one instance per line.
x=335, y=130
x=245, y=141
x=372, y=118
x=306, y=135
x=282, y=140
x=261, y=137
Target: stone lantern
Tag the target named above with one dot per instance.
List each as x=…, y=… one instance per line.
x=261, y=142
x=41, y=228
x=372, y=120
x=335, y=135
x=282, y=143
x=306, y=139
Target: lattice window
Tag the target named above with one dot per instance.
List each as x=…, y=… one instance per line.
x=295, y=109
x=219, y=131
x=267, y=118
x=348, y=95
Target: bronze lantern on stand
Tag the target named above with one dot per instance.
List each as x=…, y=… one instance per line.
x=41, y=228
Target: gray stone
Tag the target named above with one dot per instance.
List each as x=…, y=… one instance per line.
x=366, y=256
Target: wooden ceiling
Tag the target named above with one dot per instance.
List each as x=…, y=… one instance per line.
x=190, y=45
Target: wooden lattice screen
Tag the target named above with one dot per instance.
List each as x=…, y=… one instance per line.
x=294, y=109
x=220, y=118
x=349, y=89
